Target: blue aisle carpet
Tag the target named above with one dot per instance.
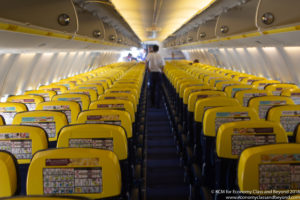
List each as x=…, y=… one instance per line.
x=165, y=176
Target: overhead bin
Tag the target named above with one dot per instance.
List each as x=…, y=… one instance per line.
x=90, y=26
x=120, y=39
x=277, y=14
x=111, y=33
x=56, y=15
x=192, y=35
x=53, y=25
x=255, y=23
x=207, y=31
x=237, y=20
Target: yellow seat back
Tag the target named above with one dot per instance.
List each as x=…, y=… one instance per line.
x=250, y=80
x=293, y=94
x=83, y=99
x=46, y=94
x=195, y=96
x=59, y=89
x=188, y=84
x=9, y=110
x=66, y=83
x=288, y=116
x=223, y=84
x=99, y=83
x=262, y=83
x=244, y=96
x=233, y=89
x=276, y=89
x=233, y=138
x=50, y=121
x=215, y=117
x=202, y=105
x=8, y=177
x=115, y=104
x=99, y=136
x=120, y=96
x=115, y=117
x=90, y=92
x=98, y=88
x=23, y=141
x=70, y=108
x=192, y=89
x=269, y=168
x=263, y=104
x=30, y=101
x=95, y=172
x=116, y=90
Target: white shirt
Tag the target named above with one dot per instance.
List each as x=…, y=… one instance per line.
x=156, y=62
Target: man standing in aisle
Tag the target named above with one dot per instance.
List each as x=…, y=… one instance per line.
x=155, y=65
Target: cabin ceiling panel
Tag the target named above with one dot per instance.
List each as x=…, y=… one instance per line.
x=157, y=19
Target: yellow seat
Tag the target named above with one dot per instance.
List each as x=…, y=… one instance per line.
x=46, y=94
x=66, y=83
x=263, y=104
x=98, y=88
x=181, y=85
x=250, y=80
x=30, y=101
x=99, y=136
x=233, y=89
x=288, y=116
x=50, y=121
x=120, y=96
x=276, y=89
x=215, y=117
x=115, y=104
x=99, y=83
x=293, y=94
x=223, y=84
x=269, y=169
x=8, y=177
x=203, y=105
x=262, y=83
x=70, y=108
x=189, y=84
x=233, y=138
x=200, y=95
x=213, y=80
x=90, y=92
x=103, y=80
x=87, y=172
x=9, y=110
x=23, y=141
x=59, y=89
x=189, y=90
x=115, y=117
x=83, y=99
x=244, y=96
x=122, y=90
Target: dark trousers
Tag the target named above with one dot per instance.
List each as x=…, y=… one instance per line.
x=155, y=88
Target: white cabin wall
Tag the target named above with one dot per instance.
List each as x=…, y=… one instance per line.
x=277, y=63
x=27, y=71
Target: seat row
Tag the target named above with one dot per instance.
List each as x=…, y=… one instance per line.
x=82, y=136
x=221, y=117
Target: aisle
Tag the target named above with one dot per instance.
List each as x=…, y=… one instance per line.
x=165, y=177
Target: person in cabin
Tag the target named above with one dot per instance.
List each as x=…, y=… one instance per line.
x=155, y=65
